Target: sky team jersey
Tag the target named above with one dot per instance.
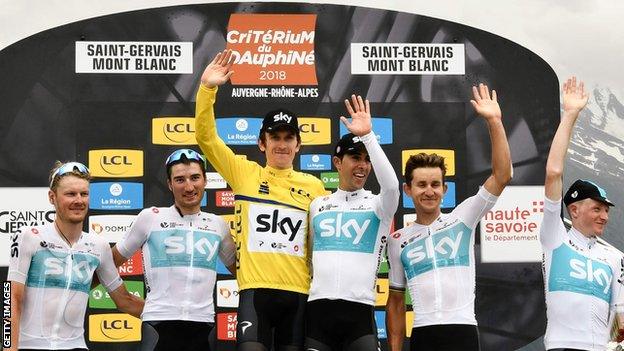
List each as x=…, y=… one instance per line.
x=438, y=263
x=270, y=209
x=180, y=260
x=350, y=230
x=582, y=279
x=57, y=282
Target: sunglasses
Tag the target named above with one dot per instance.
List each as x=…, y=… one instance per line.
x=68, y=168
x=189, y=154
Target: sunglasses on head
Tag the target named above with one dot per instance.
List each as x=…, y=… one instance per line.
x=68, y=168
x=184, y=153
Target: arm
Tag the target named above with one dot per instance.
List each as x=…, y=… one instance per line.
x=395, y=319
x=361, y=126
x=127, y=302
x=488, y=108
x=17, y=298
x=135, y=237
x=574, y=100
x=227, y=248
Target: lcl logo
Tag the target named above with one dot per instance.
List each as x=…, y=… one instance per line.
x=315, y=131
x=173, y=131
x=116, y=163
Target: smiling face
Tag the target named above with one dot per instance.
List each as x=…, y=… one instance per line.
x=280, y=148
x=426, y=189
x=353, y=170
x=590, y=217
x=70, y=199
x=187, y=183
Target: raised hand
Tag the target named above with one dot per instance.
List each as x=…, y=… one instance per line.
x=360, y=116
x=574, y=97
x=219, y=70
x=485, y=105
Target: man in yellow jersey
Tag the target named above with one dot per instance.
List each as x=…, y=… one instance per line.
x=271, y=210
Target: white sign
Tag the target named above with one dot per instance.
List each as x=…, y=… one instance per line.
x=134, y=57
x=111, y=227
x=510, y=230
x=407, y=59
x=215, y=181
x=21, y=207
x=227, y=293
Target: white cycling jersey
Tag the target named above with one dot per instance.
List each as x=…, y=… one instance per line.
x=350, y=231
x=438, y=263
x=582, y=282
x=57, y=281
x=179, y=259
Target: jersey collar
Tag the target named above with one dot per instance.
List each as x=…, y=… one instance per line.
x=350, y=195
x=279, y=173
x=185, y=216
x=579, y=239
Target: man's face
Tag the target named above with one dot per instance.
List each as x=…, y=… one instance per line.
x=187, y=183
x=426, y=189
x=280, y=148
x=70, y=199
x=589, y=216
x=353, y=170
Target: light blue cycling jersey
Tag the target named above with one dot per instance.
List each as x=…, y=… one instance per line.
x=180, y=260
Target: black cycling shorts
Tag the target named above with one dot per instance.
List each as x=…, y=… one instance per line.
x=340, y=325
x=271, y=317
x=177, y=335
x=445, y=337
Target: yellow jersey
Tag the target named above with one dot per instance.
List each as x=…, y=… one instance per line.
x=270, y=209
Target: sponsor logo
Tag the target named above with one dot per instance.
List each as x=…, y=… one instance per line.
x=180, y=248
x=245, y=325
x=51, y=269
x=315, y=131
x=116, y=196
x=239, y=130
x=226, y=326
x=382, y=291
x=276, y=230
x=380, y=320
x=448, y=201
x=224, y=198
x=264, y=188
x=173, y=131
x=215, y=181
x=315, y=162
x=227, y=293
x=345, y=231
x=111, y=227
x=116, y=163
x=330, y=179
x=408, y=219
x=114, y=327
x=133, y=266
x=272, y=49
x=383, y=265
x=99, y=297
x=449, y=158
x=382, y=127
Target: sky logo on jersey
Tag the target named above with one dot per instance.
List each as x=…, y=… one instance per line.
x=449, y=158
x=226, y=326
x=315, y=131
x=181, y=248
x=573, y=272
x=173, y=131
x=330, y=180
x=239, y=130
x=380, y=320
x=51, y=270
x=382, y=291
x=447, y=248
x=345, y=231
x=116, y=196
x=133, y=266
x=448, y=201
x=114, y=327
x=227, y=293
x=315, y=162
x=99, y=297
x=382, y=127
x=116, y=163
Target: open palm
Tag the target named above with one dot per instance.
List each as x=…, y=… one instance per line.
x=219, y=70
x=485, y=105
x=360, y=123
x=574, y=96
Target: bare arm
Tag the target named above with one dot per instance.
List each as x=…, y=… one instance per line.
x=395, y=319
x=574, y=100
x=487, y=107
x=17, y=299
x=127, y=302
x=118, y=258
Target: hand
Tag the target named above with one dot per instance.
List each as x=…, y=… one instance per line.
x=219, y=70
x=574, y=97
x=360, y=116
x=484, y=105
x=620, y=335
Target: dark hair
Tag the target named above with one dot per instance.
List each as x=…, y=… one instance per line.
x=55, y=182
x=187, y=162
x=423, y=160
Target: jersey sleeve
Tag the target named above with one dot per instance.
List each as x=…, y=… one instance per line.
x=106, y=270
x=232, y=168
x=227, y=248
x=396, y=273
x=617, y=288
x=386, y=177
x=137, y=235
x=552, y=225
x=474, y=208
x=23, y=247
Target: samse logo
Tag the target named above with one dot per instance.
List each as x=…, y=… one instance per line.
x=315, y=131
x=114, y=327
x=173, y=131
x=116, y=163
